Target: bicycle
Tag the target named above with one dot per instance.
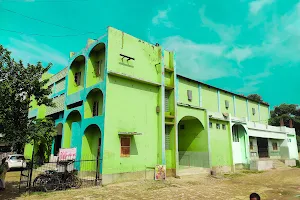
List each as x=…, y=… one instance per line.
x=53, y=180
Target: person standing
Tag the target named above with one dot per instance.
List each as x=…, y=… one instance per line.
x=3, y=170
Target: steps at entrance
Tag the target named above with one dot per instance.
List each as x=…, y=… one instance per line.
x=185, y=171
x=278, y=164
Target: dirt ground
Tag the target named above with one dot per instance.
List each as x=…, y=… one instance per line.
x=274, y=184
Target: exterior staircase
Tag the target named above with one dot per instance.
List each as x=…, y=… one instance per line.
x=278, y=164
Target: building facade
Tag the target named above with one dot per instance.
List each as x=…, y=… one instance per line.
x=121, y=100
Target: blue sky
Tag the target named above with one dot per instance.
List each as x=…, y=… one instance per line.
x=243, y=46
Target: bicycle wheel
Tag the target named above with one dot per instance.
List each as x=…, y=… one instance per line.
x=73, y=182
x=52, y=183
x=38, y=182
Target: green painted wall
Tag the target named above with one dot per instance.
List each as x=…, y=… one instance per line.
x=241, y=107
x=78, y=65
x=97, y=54
x=192, y=137
x=221, y=147
x=146, y=64
x=229, y=97
x=255, y=117
x=28, y=151
x=185, y=85
x=209, y=98
x=264, y=114
x=126, y=101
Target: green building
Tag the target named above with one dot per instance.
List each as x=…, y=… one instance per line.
x=120, y=99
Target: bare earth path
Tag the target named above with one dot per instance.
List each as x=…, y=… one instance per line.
x=274, y=184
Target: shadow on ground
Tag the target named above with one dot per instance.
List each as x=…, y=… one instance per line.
x=12, y=181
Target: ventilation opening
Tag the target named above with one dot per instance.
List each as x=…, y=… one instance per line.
x=74, y=105
x=167, y=105
x=167, y=137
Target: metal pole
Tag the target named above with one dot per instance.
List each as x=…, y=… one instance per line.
x=31, y=168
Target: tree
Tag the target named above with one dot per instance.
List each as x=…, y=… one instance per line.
x=255, y=97
x=287, y=112
x=18, y=84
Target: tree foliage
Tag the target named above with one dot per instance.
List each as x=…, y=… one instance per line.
x=18, y=84
x=255, y=97
x=287, y=112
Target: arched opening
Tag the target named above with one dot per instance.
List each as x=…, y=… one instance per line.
x=76, y=75
x=96, y=64
x=90, y=150
x=239, y=142
x=94, y=103
x=72, y=130
x=192, y=143
x=57, y=139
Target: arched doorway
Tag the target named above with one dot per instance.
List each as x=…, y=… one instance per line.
x=90, y=150
x=239, y=144
x=76, y=75
x=192, y=143
x=96, y=64
x=72, y=130
x=57, y=139
x=94, y=103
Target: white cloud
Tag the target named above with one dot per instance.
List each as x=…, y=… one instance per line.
x=257, y=5
x=205, y=61
x=226, y=33
x=252, y=82
x=162, y=18
x=239, y=54
x=281, y=43
x=29, y=50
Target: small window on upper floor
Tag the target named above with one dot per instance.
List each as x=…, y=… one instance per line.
x=189, y=94
x=95, y=108
x=226, y=104
x=210, y=125
x=77, y=78
x=253, y=111
x=218, y=126
x=223, y=126
x=98, y=68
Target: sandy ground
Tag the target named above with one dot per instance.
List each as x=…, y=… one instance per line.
x=274, y=184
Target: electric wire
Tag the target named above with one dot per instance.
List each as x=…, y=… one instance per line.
x=42, y=21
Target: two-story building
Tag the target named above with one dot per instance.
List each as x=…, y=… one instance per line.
x=121, y=100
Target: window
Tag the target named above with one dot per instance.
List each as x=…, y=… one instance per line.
x=275, y=147
x=77, y=78
x=167, y=137
x=218, y=126
x=226, y=104
x=223, y=126
x=98, y=68
x=253, y=111
x=125, y=146
x=251, y=145
x=235, y=134
x=210, y=124
x=289, y=140
x=189, y=94
x=95, y=108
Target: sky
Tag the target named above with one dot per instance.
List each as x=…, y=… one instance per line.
x=243, y=46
